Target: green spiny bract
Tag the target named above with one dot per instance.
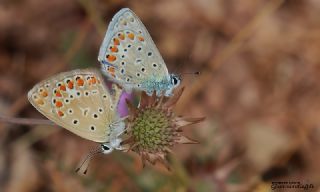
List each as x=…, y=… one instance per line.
x=153, y=129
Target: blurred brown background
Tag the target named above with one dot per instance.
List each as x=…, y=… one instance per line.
x=259, y=90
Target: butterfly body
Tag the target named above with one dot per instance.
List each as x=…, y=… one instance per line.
x=164, y=85
x=79, y=101
x=129, y=57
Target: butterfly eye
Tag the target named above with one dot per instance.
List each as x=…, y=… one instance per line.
x=128, y=79
x=40, y=90
x=122, y=56
x=47, y=85
x=139, y=48
x=86, y=93
x=154, y=65
x=122, y=71
x=138, y=74
x=70, y=111
x=129, y=45
x=143, y=69
x=105, y=147
x=100, y=110
x=131, y=19
x=149, y=54
x=123, y=63
x=175, y=80
x=67, y=101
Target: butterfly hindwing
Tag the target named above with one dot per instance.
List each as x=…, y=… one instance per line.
x=78, y=101
x=128, y=55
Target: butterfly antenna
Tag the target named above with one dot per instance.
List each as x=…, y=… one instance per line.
x=88, y=158
x=191, y=73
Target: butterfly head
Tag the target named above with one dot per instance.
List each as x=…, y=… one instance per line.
x=107, y=148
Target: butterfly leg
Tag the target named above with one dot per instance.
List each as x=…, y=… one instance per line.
x=168, y=92
x=119, y=126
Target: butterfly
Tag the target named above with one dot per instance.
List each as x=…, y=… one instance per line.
x=79, y=101
x=129, y=57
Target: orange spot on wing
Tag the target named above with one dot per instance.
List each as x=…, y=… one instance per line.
x=44, y=94
x=116, y=41
x=70, y=85
x=93, y=80
x=131, y=36
x=114, y=49
x=63, y=88
x=60, y=113
x=40, y=102
x=59, y=104
x=58, y=94
x=111, y=58
x=80, y=82
x=111, y=69
x=121, y=36
x=141, y=38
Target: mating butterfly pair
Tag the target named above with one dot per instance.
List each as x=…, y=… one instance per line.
x=79, y=100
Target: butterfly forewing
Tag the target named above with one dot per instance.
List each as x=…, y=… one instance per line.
x=128, y=54
x=78, y=101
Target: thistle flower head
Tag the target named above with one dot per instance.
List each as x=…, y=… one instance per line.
x=153, y=129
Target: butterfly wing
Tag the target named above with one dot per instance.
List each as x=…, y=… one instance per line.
x=78, y=101
x=128, y=54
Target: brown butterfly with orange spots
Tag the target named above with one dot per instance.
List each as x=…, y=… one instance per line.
x=79, y=101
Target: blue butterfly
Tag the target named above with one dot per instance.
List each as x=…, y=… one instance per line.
x=130, y=58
